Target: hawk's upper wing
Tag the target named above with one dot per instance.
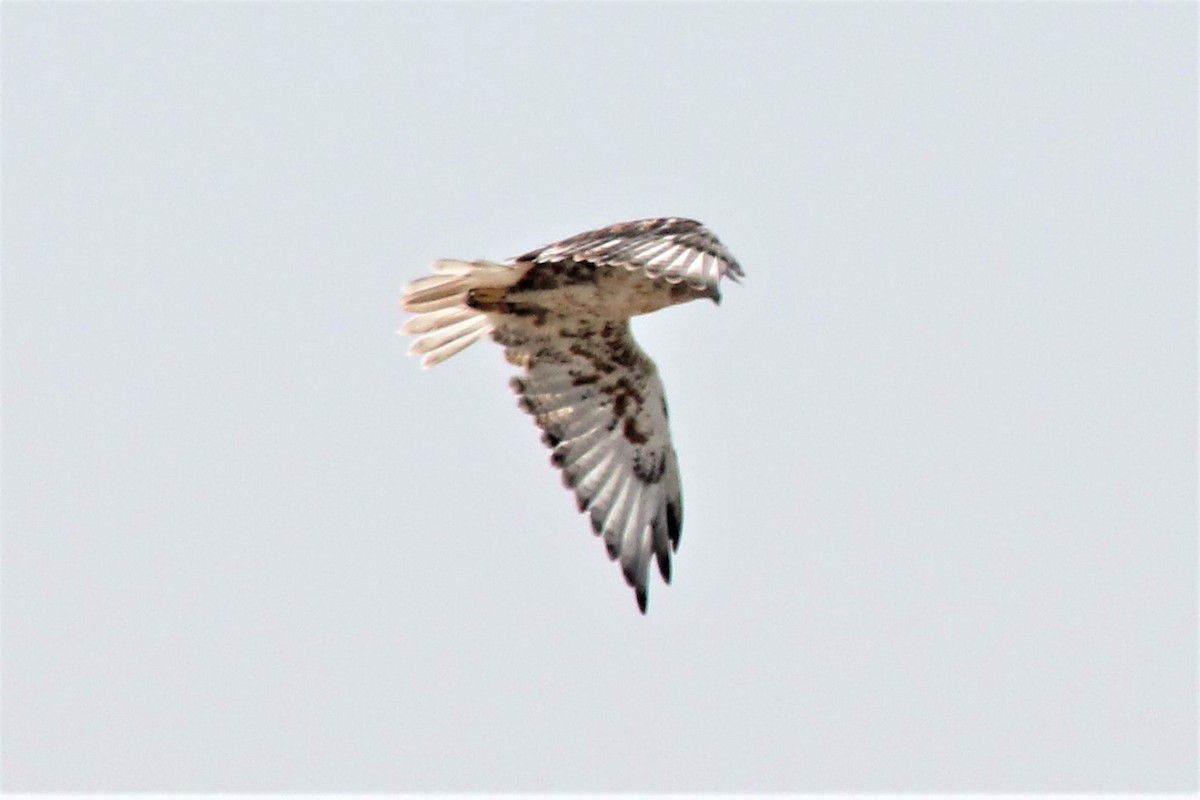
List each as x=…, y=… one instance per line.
x=600, y=405
x=673, y=248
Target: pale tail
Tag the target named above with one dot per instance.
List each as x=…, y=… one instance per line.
x=439, y=305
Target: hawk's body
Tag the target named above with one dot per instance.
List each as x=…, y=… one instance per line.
x=562, y=314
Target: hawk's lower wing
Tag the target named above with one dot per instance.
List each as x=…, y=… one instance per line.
x=600, y=405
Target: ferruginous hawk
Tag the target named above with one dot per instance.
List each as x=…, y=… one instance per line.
x=562, y=314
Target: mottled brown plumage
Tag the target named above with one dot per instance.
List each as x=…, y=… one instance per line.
x=562, y=314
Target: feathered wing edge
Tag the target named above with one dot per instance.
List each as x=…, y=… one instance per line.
x=611, y=444
x=675, y=249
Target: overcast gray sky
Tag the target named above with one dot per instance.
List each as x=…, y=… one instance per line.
x=939, y=451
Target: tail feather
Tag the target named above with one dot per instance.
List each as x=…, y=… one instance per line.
x=439, y=305
x=432, y=320
x=437, y=347
x=469, y=327
x=435, y=287
x=454, y=266
x=455, y=300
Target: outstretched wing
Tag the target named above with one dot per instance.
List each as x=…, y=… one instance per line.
x=672, y=248
x=600, y=405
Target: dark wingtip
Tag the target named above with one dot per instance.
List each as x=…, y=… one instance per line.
x=664, y=565
x=674, y=523
x=597, y=518
x=641, y=601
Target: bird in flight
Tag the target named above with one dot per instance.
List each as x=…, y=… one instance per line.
x=562, y=313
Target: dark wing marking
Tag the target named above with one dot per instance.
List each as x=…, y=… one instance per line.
x=673, y=248
x=599, y=402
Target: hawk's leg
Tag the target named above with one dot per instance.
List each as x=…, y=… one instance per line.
x=494, y=300
x=488, y=299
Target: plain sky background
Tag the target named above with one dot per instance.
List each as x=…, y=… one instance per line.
x=939, y=451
